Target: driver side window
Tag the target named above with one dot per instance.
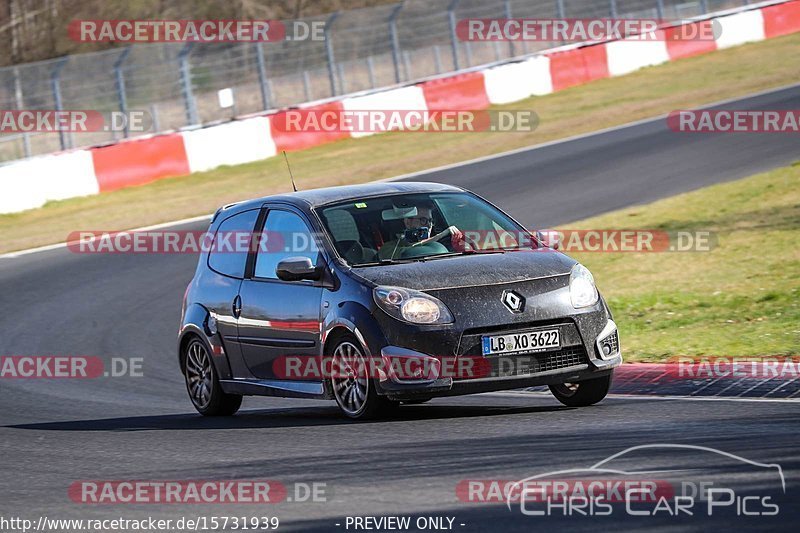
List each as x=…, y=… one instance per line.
x=286, y=235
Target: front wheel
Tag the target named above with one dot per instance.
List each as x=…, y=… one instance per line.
x=352, y=386
x=582, y=393
x=202, y=384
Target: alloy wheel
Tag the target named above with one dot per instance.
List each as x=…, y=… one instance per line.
x=199, y=375
x=350, y=381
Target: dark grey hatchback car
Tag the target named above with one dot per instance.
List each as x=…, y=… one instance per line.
x=387, y=293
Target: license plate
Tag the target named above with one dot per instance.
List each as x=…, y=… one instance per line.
x=523, y=342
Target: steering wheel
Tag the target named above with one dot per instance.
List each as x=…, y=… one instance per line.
x=435, y=238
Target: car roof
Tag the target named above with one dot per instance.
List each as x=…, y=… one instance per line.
x=317, y=197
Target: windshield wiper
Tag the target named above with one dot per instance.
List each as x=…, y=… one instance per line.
x=424, y=258
x=456, y=254
x=383, y=262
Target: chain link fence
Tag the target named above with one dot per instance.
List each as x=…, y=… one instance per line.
x=178, y=84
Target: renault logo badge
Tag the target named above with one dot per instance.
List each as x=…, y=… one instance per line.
x=513, y=301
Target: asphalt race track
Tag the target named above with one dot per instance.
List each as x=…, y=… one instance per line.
x=55, y=432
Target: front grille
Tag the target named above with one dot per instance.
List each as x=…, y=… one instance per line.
x=470, y=343
x=500, y=366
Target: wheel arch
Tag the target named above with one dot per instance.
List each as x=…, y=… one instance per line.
x=198, y=323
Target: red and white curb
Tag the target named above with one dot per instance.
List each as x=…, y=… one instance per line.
x=30, y=183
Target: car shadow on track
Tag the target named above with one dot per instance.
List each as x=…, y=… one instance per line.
x=282, y=418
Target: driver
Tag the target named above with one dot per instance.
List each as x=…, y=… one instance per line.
x=418, y=228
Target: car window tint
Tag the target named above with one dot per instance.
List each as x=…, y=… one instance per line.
x=287, y=235
x=230, y=259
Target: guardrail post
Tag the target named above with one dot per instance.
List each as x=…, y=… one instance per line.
x=306, y=86
x=612, y=7
x=560, y=9
x=186, y=83
x=660, y=10
x=451, y=16
x=154, y=115
x=371, y=72
x=507, y=15
x=342, y=80
x=329, y=52
x=395, y=41
x=437, y=59
x=121, y=92
x=26, y=138
x=262, y=76
x=704, y=6
x=55, y=84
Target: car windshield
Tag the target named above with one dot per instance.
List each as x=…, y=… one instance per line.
x=416, y=227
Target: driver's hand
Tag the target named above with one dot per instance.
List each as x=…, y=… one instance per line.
x=457, y=241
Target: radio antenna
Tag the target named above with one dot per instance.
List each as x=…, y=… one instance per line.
x=290, y=170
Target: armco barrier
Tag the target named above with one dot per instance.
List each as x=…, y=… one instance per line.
x=680, y=48
x=67, y=175
x=626, y=56
x=18, y=189
x=30, y=183
x=454, y=93
x=741, y=28
x=292, y=141
x=403, y=99
x=578, y=66
x=140, y=161
x=234, y=143
x=781, y=19
x=520, y=80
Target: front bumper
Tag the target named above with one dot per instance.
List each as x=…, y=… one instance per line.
x=586, y=353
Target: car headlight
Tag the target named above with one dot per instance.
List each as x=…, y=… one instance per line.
x=412, y=306
x=582, y=290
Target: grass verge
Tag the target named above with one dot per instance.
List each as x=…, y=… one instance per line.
x=682, y=84
x=740, y=299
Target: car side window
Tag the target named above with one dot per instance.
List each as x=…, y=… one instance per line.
x=286, y=235
x=227, y=256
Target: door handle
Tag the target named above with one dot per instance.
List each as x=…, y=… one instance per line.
x=236, y=307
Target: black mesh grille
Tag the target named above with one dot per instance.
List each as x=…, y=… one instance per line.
x=520, y=365
x=613, y=341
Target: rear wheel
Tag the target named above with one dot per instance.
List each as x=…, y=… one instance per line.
x=353, y=388
x=582, y=393
x=202, y=384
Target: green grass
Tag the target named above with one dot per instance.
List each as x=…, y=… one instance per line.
x=742, y=298
x=678, y=85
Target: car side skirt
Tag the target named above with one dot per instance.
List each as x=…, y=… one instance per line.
x=271, y=387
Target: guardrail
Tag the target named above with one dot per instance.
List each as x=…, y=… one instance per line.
x=364, y=49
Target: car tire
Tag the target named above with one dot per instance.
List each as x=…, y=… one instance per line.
x=582, y=393
x=357, y=397
x=202, y=383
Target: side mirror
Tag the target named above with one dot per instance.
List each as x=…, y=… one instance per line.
x=297, y=268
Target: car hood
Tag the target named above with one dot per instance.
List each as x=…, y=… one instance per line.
x=470, y=270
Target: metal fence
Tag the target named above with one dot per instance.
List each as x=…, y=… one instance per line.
x=177, y=84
